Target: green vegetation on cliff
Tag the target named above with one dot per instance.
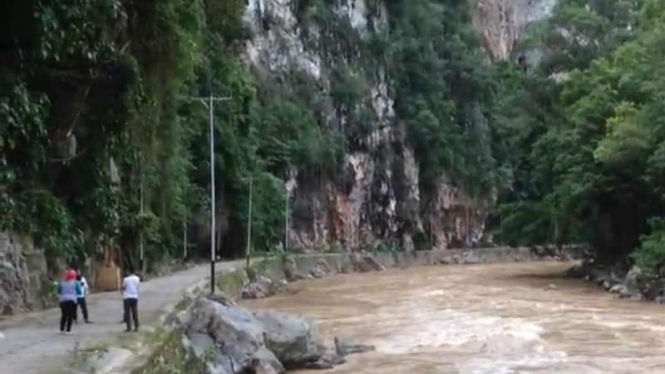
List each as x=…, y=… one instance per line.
x=443, y=91
x=99, y=149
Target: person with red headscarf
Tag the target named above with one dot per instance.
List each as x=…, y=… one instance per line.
x=67, y=291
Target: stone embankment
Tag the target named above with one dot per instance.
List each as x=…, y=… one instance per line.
x=272, y=275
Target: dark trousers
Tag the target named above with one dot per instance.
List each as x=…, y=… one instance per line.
x=131, y=307
x=68, y=313
x=84, y=309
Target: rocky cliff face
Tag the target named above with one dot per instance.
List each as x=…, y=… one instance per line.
x=502, y=22
x=22, y=268
x=378, y=201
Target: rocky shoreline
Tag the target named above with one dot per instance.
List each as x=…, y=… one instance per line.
x=622, y=281
x=271, y=276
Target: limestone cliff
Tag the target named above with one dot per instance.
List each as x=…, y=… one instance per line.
x=22, y=270
x=503, y=22
x=378, y=201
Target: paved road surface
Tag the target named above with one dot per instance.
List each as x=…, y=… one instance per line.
x=33, y=344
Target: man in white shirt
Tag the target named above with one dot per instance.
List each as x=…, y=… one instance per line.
x=81, y=296
x=130, y=300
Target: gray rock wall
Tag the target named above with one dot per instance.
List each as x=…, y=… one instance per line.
x=22, y=269
x=272, y=274
x=380, y=202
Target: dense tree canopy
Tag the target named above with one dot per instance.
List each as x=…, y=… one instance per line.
x=589, y=165
x=98, y=148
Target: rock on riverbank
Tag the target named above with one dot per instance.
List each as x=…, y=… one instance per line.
x=623, y=282
x=229, y=339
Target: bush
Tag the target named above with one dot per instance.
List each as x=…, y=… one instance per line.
x=650, y=255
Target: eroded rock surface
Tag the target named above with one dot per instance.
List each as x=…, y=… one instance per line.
x=293, y=339
x=503, y=22
x=233, y=340
x=365, y=262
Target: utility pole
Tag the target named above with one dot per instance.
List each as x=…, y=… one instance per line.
x=286, y=221
x=288, y=187
x=209, y=102
x=142, y=263
x=249, y=223
x=184, y=239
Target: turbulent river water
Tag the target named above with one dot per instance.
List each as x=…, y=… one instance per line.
x=487, y=319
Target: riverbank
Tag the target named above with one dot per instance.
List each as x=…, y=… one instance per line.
x=525, y=318
x=270, y=275
x=277, y=274
x=102, y=347
x=623, y=282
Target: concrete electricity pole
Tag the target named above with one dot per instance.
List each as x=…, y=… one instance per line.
x=209, y=102
x=249, y=223
x=286, y=221
x=288, y=188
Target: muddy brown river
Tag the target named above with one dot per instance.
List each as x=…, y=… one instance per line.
x=487, y=319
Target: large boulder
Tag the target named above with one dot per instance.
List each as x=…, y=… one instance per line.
x=260, y=288
x=291, y=272
x=321, y=269
x=333, y=356
x=345, y=348
x=471, y=258
x=229, y=339
x=634, y=280
x=329, y=359
x=364, y=263
x=255, y=290
x=232, y=340
x=293, y=339
x=619, y=289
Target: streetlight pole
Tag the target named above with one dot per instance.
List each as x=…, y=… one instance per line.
x=209, y=102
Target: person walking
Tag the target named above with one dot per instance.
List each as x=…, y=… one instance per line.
x=130, y=300
x=81, y=297
x=67, y=291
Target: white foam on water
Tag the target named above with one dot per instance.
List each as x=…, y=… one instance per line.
x=490, y=343
x=612, y=324
x=435, y=293
x=513, y=365
x=655, y=328
x=434, y=329
x=641, y=325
